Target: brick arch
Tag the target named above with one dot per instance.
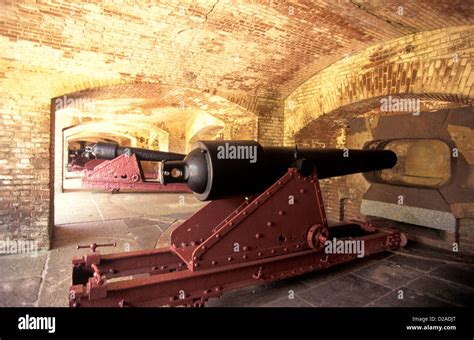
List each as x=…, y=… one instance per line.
x=77, y=131
x=116, y=88
x=433, y=64
x=93, y=131
x=227, y=108
x=106, y=137
x=205, y=133
x=235, y=111
x=340, y=116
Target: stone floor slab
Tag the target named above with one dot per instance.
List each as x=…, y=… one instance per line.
x=136, y=222
x=417, y=263
x=388, y=274
x=75, y=207
x=427, y=252
x=321, y=276
x=287, y=302
x=147, y=205
x=443, y=290
x=257, y=296
x=457, y=273
x=410, y=299
x=146, y=237
x=13, y=267
x=90, y=229
x=165, y=238
x=347, y=291
x=21, y=292
x=81, y=206
x=54, y=292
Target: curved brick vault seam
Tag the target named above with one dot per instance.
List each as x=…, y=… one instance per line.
x=417, y=65
x=227, y=108
x=94, y=128
x=136, y=89
x=355, y=110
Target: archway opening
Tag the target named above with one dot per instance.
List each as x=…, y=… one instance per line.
x=138, y=115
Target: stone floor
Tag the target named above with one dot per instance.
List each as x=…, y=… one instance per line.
x=83, y=206
x=414, y=276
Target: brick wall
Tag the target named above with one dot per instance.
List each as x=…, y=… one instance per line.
x=177, y=140
x=24, y=164
x=270, y=123
x=340, y=201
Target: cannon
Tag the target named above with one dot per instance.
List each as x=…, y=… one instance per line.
x=77, y=159
x=109, y=151
x=118, y=168
x=215, y=169
x=265, y=222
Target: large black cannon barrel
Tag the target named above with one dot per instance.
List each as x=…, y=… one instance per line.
x=219, y=169
x=111, y=150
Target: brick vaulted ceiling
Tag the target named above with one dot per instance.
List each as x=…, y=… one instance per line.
x=264, y=48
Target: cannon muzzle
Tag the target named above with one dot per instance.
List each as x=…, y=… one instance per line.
x=220, y=169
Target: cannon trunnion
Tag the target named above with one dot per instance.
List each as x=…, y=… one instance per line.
x=250, y=236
